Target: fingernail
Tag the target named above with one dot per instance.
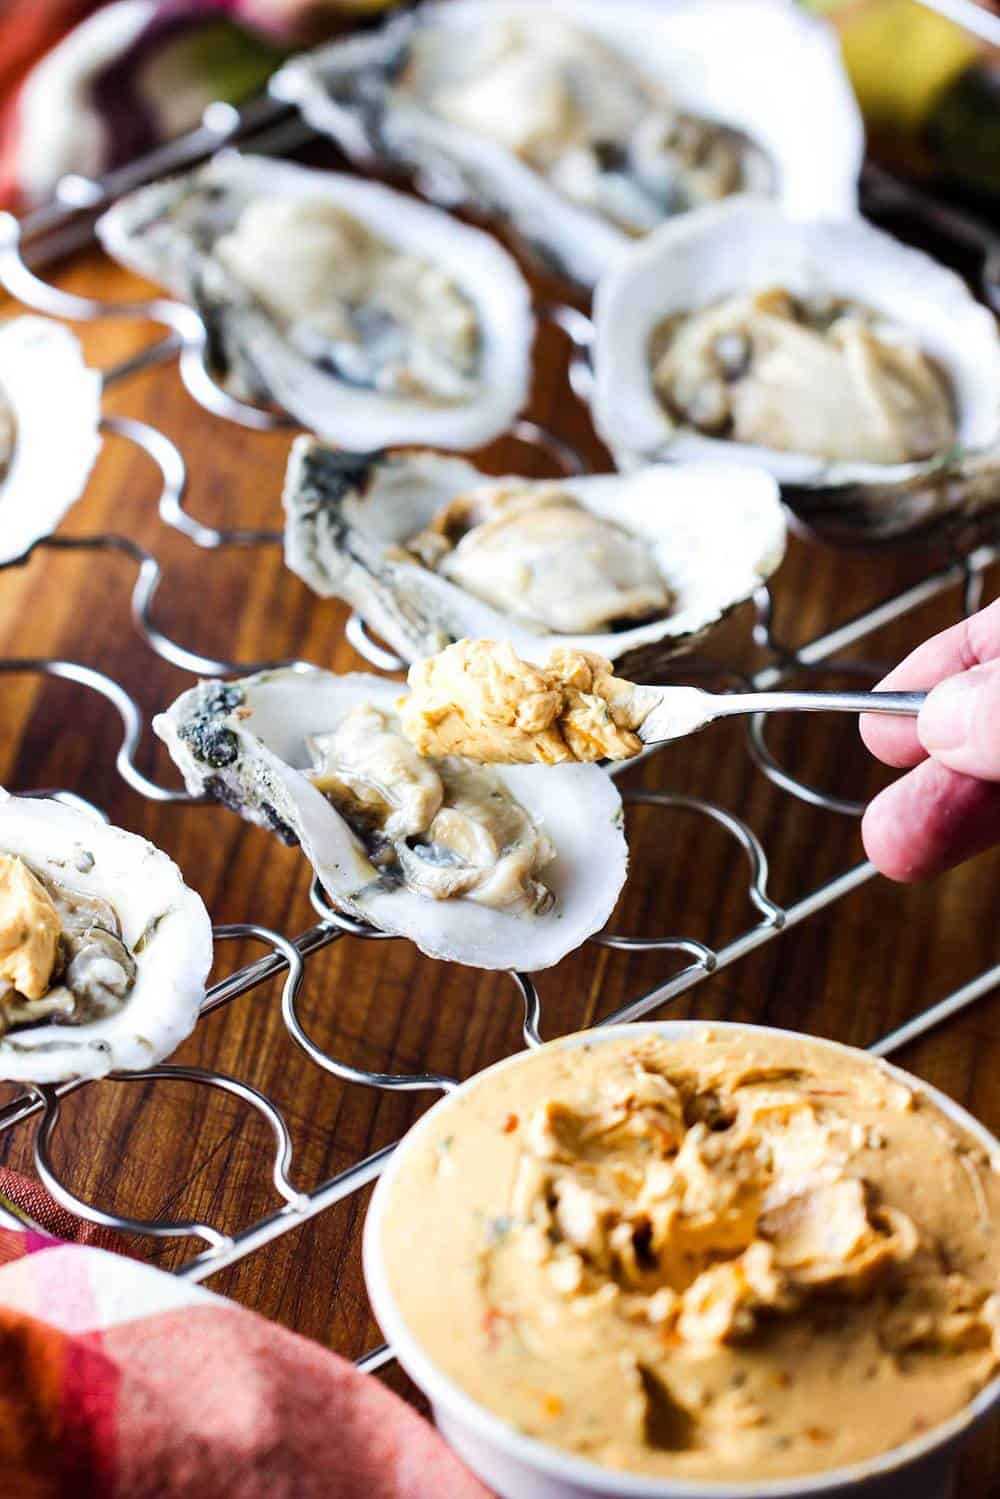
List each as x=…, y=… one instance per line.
x=945, y=719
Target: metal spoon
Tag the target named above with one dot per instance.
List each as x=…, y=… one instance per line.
x=678, y=711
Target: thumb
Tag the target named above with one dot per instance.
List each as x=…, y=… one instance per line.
x=959, y=724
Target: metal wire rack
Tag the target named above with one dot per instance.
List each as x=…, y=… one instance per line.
x=67, y=223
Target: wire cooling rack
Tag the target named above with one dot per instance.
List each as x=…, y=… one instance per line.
x=66, y=223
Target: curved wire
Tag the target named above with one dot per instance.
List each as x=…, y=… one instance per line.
x=128, y=712
x=752, y=847
x=347, y=926
x=768, y=763
x=155, y=1228
x=559, y=449
x=579, y=329
x=68, y=799
x=173, y=471
x=531, y=1029
x=398, y=1082
x=377, y=655
x=247, y=1094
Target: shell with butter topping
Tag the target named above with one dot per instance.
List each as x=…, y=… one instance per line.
x=104, y=950
x=506, y=867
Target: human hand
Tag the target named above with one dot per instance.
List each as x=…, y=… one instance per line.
x=947, y=808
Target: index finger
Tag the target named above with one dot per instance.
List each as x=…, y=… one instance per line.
x=969, y=643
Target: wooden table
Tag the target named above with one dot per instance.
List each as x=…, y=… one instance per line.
x=177, y=1150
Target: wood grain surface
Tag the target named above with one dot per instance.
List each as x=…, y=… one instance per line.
x=181, y=1151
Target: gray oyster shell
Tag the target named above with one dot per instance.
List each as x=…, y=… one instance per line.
x=166, y=231
x=243, y=743
x=758, y=66
x=715, y=533
x=743, y=246
x=46, y=389
x=163, y=924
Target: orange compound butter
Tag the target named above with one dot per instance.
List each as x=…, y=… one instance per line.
x=730, y=1255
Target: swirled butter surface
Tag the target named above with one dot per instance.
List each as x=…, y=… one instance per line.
x=726, y=1256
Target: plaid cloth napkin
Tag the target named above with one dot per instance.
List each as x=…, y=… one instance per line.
x=118, y=1381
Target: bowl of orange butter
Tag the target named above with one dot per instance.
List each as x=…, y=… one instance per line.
x=679, y=1260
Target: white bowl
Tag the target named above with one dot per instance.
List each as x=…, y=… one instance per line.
x=518, y=1467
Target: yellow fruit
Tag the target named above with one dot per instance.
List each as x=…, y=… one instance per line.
x=900, y=57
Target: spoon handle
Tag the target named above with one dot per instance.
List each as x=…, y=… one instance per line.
x=902, y=703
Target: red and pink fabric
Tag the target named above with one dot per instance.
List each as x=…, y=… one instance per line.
x=118, y=1381
x=86, y=85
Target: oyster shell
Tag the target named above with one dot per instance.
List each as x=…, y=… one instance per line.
x=135, y=947
x=367, y=316
x=516, y=886
x=583, y=123
x=45, y=387
x=676, y=547
x=744, y=248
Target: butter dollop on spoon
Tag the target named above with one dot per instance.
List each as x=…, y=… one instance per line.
x=478, y=699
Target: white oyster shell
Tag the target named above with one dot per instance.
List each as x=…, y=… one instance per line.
x=53, y=401
x=761, y=66
x=244, y=743
x=741, y=247
x=166, y=232
x=716, y=533
x=156, y=910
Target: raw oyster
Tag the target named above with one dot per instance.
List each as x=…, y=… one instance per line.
x=899, y=401
x=45, y=387
x=583, y=124
x=507, y=868
x=104, y=950
x=534, y=552
x=365, y=315
x=825, y=377
x=428, y=550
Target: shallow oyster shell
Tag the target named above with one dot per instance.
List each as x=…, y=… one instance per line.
x=742, y=246
x=164, y=924
x=55, y=405
x=716, y=534
x=144, y=232
x=243, y=743
x=758, y=65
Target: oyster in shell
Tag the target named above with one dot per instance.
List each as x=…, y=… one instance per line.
x=863, y=375
x=584, y=124
x=505, y=868
x=45, y=388
x=635, y=567
x=367, y=316
x=104, y=950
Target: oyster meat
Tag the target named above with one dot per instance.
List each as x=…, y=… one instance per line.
x=43, y=380
x=581, y=115
x=428, y=550
x=533, y=551
x=814, y=375
x=443, y=827
x=585, y=124
x=863, y=375
x=363, y=314
x=104, y=950
x=510, y=867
